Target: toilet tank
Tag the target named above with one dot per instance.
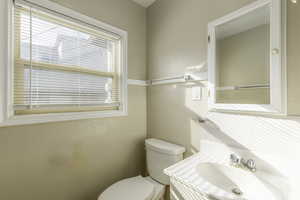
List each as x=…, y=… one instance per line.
x=161, y=155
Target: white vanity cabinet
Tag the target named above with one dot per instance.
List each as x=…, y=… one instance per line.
x=179, y=191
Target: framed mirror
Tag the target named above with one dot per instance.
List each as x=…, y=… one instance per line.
x=245, y=60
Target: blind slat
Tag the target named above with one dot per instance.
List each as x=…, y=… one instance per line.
x=26, y=107
x=75, y=23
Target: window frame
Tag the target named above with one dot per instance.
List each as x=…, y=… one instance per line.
x=7, y=117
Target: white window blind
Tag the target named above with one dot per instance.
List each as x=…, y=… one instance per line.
x=64, y=66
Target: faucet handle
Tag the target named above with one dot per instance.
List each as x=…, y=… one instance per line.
x=234, y=159
x=251, y=165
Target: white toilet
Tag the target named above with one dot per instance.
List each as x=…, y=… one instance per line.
x=160, y=155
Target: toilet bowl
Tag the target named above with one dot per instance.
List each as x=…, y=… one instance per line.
x=160, y=155
x=136, y=188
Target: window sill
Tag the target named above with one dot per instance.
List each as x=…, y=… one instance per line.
x=58, y=117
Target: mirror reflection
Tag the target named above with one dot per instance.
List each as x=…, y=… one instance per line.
x=243, y=59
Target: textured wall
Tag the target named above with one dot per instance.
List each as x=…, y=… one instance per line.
x=76, y=160
x=177, y=38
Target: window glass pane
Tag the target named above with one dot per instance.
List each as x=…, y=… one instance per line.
x=56, y=44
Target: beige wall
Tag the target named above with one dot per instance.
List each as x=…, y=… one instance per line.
x=177, y=38
x=293, y=58
x=77, y=160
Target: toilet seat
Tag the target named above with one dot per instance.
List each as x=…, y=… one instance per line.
x=136, y=188
x=159, y=189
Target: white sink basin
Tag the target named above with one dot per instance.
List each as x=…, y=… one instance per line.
x=229, y=178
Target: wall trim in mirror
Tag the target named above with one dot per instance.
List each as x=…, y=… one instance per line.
x=274, y=86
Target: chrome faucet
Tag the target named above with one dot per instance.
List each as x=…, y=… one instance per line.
x=238, y=162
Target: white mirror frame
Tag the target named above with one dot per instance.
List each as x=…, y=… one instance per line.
x=277, y=61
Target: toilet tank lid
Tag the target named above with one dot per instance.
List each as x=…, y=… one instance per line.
x=164, y=147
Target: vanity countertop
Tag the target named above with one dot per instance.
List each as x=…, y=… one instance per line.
x=189, y=172
x=186, y=172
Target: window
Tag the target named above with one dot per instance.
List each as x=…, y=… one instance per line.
x=62, y=64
